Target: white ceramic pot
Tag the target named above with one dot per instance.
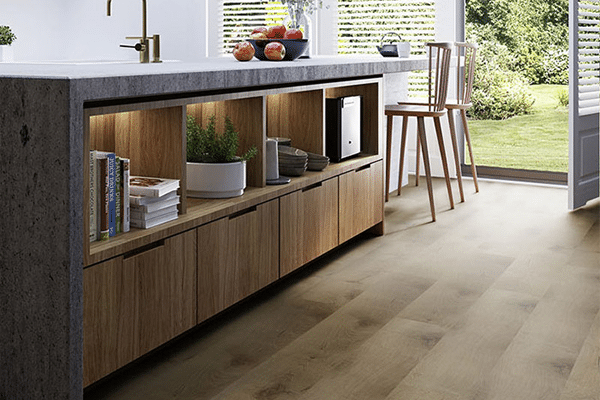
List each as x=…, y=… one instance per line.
x=6, y=53
x=216, y=181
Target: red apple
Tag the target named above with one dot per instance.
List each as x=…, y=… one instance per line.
x=243, y=51
x=292, y=34
x=275, y=51
x=259, y=29
x=258, y=36
x=276, y=32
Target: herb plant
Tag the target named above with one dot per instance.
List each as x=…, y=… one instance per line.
x=204, y=145
x=6, y=36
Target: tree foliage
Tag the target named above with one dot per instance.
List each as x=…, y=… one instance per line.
x=535, y=32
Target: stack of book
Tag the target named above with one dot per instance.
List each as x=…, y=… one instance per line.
x=109, y=191
x=153, y=201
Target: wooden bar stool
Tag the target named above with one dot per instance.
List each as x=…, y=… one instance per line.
x=439, y=68
x=465, y=71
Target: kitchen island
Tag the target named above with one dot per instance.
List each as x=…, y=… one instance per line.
x=52, y=114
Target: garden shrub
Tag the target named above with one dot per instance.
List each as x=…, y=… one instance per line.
x=498, y=92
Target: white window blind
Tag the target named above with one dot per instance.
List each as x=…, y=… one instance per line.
x=589, y=56
x=362, y=23
x=238, y=18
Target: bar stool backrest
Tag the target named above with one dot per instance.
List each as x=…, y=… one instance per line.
x=465, y=71
x=439, y=54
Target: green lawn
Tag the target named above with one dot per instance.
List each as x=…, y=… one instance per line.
x=537, y=141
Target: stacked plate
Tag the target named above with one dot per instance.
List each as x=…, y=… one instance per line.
x=292, y=161
x=317, y=162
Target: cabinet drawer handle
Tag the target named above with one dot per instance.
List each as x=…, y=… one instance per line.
x=311, y=187
x=363, y=167
x=144, y=249
x=243, y=212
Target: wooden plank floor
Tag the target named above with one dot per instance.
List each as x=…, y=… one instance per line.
x=499, y=299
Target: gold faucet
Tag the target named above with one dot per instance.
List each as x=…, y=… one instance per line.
x=143, y=45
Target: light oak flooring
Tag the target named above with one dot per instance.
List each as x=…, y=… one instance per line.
x=499, y=299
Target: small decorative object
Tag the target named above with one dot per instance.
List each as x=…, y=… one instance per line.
x=298, y=18
x=394, y=49
x=7, y=37
x=273, y=177
x=213, y=169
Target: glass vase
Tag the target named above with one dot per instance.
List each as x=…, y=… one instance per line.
x=297, y=18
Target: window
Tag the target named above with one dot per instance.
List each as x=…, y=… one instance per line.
x=362, y=23
x=238, y=18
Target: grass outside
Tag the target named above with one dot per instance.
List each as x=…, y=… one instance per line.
x=537, y=141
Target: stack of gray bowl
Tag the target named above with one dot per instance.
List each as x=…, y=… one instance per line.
x=317, y=162
x=292, y=161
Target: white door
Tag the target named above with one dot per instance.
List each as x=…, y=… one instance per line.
x=584, y=102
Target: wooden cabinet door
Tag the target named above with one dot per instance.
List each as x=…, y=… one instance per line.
x=134, y=304
x=108, y=319
x=165, y=288
x=237, y=256
x=361, y=200
x=308, y=224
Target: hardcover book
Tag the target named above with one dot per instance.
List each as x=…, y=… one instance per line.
x=118, y=194
x=112, y=212
x=93, y=197
x=125, y=195
x=103, y=198
x=149, y=208
x=137, y=200
x=136, y=223
x=145, y=216
x=153, y=187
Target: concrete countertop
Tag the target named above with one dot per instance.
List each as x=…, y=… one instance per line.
x=109, y=80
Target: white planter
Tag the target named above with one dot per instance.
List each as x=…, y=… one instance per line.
x=6, y=53
x=216, y=181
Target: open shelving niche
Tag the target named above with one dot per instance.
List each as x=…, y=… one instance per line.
x=152, y=135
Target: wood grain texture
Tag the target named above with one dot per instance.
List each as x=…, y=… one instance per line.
x=109, y=316
x=134, y=304
x=495, y=301
x=247, y=117
x=372, y=113
x=165, y=287
x=361, y=200
x=299, y=116
x=202, y=211
x=309, y=224
x=237, y=256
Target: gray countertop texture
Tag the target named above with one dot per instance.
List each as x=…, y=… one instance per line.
x=111, y=80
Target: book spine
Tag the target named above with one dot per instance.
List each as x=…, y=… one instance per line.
x=93, y=198
x=112, y=227
x=118, y=190
x=103, y=203
x=126, y=211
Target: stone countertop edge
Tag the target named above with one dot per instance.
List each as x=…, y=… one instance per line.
x=106, y=81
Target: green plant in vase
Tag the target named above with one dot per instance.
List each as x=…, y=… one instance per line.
x=213, y=168
x=7, y=37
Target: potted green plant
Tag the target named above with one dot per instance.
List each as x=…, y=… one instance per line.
x=213, y=168
x=7, y=37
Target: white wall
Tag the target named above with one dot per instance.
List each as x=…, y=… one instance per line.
x=80, y=29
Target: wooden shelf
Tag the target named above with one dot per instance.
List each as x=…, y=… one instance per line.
x=202, y=211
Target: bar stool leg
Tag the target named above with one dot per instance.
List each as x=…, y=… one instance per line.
x=422, y=135
x=388, y=160
x=455, y=151
x=463, y=114
x=402, y=152
x=438, y=130
x=418, y=165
